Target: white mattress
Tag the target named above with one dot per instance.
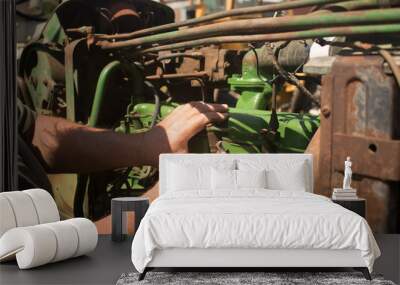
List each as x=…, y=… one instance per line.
x=256, y=218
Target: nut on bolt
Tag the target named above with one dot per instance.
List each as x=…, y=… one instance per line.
x=326, y=111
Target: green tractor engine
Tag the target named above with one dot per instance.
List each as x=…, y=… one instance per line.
x=66, y=73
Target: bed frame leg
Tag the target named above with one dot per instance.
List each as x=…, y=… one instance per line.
x=143, y=274
x=364, y=271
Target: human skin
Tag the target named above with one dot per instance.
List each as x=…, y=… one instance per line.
x=68, y=147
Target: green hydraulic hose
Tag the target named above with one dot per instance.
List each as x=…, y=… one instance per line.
x=105, y=74
x=297, y=35
x=265, y=25
x=235, y=12
x=102, y=84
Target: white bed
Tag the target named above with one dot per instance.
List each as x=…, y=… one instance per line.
x=202, y=226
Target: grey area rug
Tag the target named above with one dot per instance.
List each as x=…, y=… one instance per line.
x=243, y=278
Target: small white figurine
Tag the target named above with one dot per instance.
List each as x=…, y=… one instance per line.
x=347, y=174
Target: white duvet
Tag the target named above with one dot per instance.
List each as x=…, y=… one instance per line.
x=250, y=219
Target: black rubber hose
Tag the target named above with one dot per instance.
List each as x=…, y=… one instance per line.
x=157, y=104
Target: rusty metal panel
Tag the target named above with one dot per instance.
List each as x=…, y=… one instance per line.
x=323, y=184
x=217, y=63
x=380, y=152
x=360, y=118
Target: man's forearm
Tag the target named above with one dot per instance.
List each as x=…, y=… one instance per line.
x=69, y=147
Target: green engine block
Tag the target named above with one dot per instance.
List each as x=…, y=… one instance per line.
x=246, y=131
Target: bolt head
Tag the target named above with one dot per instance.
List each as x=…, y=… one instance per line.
x=326, y=111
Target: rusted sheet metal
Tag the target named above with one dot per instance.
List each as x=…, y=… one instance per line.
x=323, y=184
x=360, y=118
x=69, y=77
x=217, y=63
x=380, y=152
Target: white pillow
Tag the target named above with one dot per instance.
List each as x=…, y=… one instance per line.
x=251, y=178
x=226, y=179
x=291, y=178
x=184, y=175
x=288, y=174
x=223, y=179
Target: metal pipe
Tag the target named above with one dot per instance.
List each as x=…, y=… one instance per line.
x=100, y=91
x=264, y=25
x=392, y=64
x=157, y=104
x=362, y=4
x=297, y=35
x=193, y=55
x=235, y=12
x=102, y=82
x=176, y=75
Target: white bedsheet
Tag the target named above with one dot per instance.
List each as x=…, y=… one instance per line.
x=250, y=219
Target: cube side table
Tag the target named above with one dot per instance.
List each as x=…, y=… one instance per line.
x=357, y=206
x=139, y=205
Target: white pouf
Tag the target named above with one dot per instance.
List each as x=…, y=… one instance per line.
x=23, y=208
x=31, y=232
x=46, y=208
x=7, y=218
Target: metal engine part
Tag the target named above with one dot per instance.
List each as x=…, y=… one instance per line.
x=360, y=116
x=59, y=75
x=92, y=66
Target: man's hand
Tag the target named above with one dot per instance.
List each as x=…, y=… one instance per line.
x=174, y=132
x=71, y=147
